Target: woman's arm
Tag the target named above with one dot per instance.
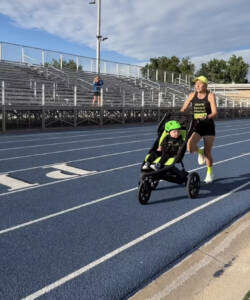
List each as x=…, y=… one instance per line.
x=187, y=102
x=212, y=102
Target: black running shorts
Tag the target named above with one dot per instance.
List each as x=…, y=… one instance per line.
x=204, y=128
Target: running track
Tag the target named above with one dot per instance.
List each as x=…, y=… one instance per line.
x=71, y=226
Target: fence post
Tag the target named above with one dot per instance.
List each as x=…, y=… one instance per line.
x=180, y=78
x=172, y=77
x=75, y=104
x=105, y=67
x=75, y=96
x=159, y=105
x=123, y=106
x=138, y=72
x=61, y=61
x=165, y=76
x=173, y=103
x=77, y=63
x=148, y=73
x=43, y=104
x=54, y=91
x=142, y=106
x=0, y=51
x=43, y=59
x=101, y=108
x=3, y=108
x=22, y=55
x=35, y=92
x=157, y=75
x=133, y=99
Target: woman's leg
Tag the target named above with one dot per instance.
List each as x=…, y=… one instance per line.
x=208, y=144
x=192, y=142
x=94, y=100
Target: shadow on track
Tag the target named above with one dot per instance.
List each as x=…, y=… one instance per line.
x=219, y=187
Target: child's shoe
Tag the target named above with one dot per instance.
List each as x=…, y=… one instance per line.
x=155, y=167
x=146, y=166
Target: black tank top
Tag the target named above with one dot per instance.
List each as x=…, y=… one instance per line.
x=201, y=107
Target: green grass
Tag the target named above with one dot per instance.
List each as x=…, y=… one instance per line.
x=247, y=296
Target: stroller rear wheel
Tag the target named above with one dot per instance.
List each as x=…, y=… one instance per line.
x=144, y=192
x=193, y=185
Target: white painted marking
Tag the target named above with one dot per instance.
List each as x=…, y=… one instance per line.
x=102, y=156
x=102, y=146
x=63, y=167
x=14, y=184
x=117, y=251
x=75, y=142
x=77, y=160
x=153, y=130
x=107, y=171
x=66, y=211
x=76, y=149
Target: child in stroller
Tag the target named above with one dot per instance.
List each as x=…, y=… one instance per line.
x=167, y=151
x=169, y=145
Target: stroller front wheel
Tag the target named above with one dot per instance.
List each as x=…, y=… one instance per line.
x=193, y=185
x=144, y=192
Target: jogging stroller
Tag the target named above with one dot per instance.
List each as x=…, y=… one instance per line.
x=150, y=178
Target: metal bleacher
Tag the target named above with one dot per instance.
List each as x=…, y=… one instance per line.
x=23, y=86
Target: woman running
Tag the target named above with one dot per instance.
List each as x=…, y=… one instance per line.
x=204, y=111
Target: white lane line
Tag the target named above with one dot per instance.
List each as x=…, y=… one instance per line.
x=227, y=135
x=91, y=133
x=68, y=179
x=101, y=139
x=97, y=200
x=99, y=156
x=117, y=251
x=79, y=135
x=100, y=146
x=75, y=149
x=76, y=160
x=66, y=211
x=102, y=172
x=76, y=142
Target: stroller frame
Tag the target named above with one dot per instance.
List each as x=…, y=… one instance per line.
x=149, y=179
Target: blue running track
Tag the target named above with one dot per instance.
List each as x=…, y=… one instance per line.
x=71, y=226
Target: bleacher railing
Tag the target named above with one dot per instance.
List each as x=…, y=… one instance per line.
x=40, y=93
x=43, y=57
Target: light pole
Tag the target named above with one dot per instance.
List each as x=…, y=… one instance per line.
x=99, y=37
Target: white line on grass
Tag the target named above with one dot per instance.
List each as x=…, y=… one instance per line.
x=117, y=251
x=94, y=201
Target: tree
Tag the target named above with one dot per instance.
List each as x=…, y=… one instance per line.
x=237, y=69
x=221, y=71
x=171, y=65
